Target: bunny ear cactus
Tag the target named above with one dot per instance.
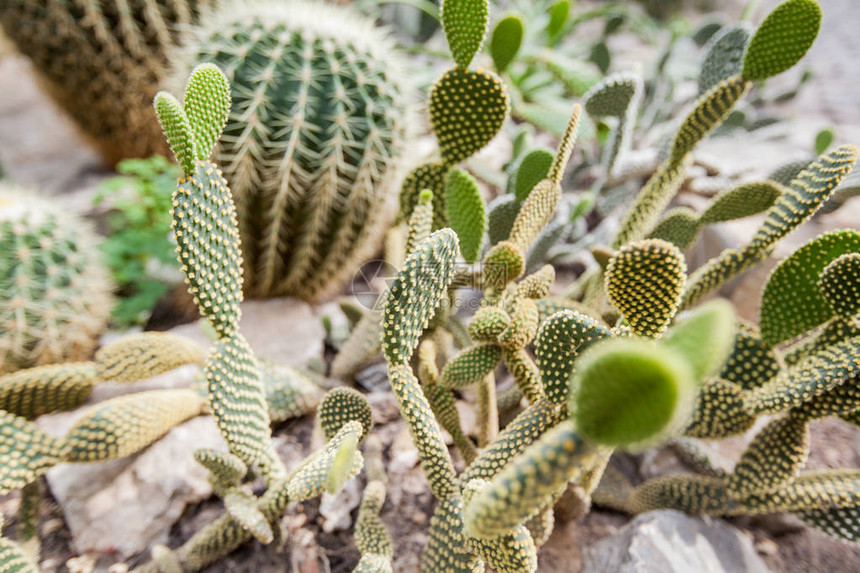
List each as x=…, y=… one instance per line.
x=13, y=559
x=41, y=390
x=55, y=292
x=644, y=280
x=724, y=56
x=781, y=40
x=341, y=406
x=26, y=452
x=793, y=302
x=122, y=426
x=466, y=212
x=465, y=23
x=144, y=355
x=204, y=221
x=617, y=96
x=467, y=109
x=313, y=162
x=804, y=196
x=329, y=469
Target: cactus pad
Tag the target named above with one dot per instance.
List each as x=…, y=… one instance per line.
x=236, y=398
x=328, y=469
x=122, y=426
x=724, y=56
x=465, y=23
x=840, y=284
x=35, y=391
x=416, y=291
x=792, y=302
x=446, y=545
x=204, y=221
x=719, y=411
x=341, y=406
x=559, y=341
x=467, y=213
x=629, y=392
x=773, y=458
x=426, y=177
x=782, y=39
x=25, y=452
x=505, y=41
x=467, y=109
x=147, y=354
x=471, y=366
x=644, y=280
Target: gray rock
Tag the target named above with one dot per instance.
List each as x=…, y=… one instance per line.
x=129, y=504
x=336, y=509
x=286, y=330
x=669, y=541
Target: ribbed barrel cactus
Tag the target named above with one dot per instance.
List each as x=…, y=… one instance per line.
x=55, y=293
x=102, y=62
x=313, y=143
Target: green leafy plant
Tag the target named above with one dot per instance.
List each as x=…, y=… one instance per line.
x=138, y=251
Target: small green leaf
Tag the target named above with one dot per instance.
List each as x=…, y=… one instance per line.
x=823, y=140
x=531, y=169
x=506, y=40
x=558, y=15
x=467, y=213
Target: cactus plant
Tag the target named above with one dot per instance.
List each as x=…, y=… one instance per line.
x=55, y=294
x=645, y=366
x=102, y=62
x=314, y=144
x=242, y=393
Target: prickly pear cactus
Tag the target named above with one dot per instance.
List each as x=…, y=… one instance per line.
x=55, y=294
x=102, y=62
x=314, y=140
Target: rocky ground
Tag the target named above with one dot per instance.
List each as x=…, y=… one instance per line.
x=97, y=516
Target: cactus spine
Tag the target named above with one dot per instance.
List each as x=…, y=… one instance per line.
x=55, y=294
x=313, y=144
